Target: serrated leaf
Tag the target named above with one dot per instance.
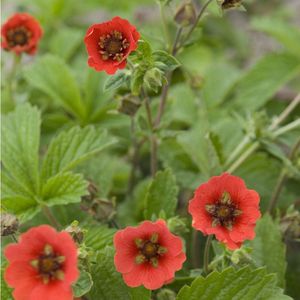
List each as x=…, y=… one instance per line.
x=83, y=284
x=64, y=188
x=53, y=77
x=72, y=147
x=58, y=45
x=115, y=81
x=169, y=61
x=268, y=248
x=234, y=284
x=264, y=79
x=108, y=283
x=144, y=51
x=283, y=32
x=20, y=145
x=161, y=195
x=99, y=237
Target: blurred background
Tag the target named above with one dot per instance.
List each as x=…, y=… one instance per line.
x=207, y=91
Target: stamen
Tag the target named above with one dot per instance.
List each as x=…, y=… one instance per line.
x=113, y=46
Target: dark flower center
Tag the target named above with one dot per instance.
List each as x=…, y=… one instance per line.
x=149, y=250
x=49, y=265
x=113, y=46
x=223, y=212
x=231, y=3
x=18, y=36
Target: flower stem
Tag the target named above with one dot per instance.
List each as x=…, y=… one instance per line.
x=272, y=128
x=14, y=238
x=12, y=75
x=206, y=254
x=153, y=140
x=47, y=212
x=135, y=156
x=281, y=179
x=286, y=112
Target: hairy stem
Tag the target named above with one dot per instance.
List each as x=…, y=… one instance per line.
x=134, y=158
x=206, y=254
x=47, y=212
x=281, y=179
x=12, y=75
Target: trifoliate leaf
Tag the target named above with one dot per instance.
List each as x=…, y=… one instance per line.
x=72, y=147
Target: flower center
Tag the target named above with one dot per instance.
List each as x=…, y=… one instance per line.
x=113, y=46
x=49, y=265
x=18, y=36
x=223, y=212
x=149, y=250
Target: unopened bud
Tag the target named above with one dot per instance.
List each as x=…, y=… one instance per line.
x=166, y=294
x=186, y=14
x=9, y=224
x=129, y=105
x=76, y=232
x=153, y=79
x=227, y=4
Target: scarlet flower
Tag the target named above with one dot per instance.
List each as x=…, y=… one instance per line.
x=21, y=33
x=225, y=207
x=42, y=265
x=108, y=44
x=148, y=254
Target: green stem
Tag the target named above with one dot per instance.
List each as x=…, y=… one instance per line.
x=153, y=141
x=276, y=133
x=188, y=35
x=47, y=212
x=281, y=179
x=286, y=112
x=165, y=25
x=206, y=254
x=293, y=125
x=12, y=75
x=14, y=238
x=134, y=158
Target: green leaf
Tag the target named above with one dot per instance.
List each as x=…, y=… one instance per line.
x=20, y=145
x=72, y=147
x=287, y=35
x=58, y=45
x=263, y=80
x=161, y=195
x=144, y=51
x=268, y=248
x=170, y=63
x=108, y=283
x=99, y=237
x=234, y=284
x=83, y=284
x=218, y=79
x=115, y=81
x=53, y=77
x=64, y=188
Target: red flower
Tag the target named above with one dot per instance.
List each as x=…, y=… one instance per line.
x=109, y=44
x=148, y=254
x=21, y=33
x=42, y=265
x=225, y=207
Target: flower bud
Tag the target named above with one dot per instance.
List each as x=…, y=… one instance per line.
x=166, y=294
x=9, y=224
x=129, y=105
x=153, y=79
x=177, y=225
x=290, y=224
x=76, y=232
x=186, y=14
x=227, y=4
